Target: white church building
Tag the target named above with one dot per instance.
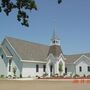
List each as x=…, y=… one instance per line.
x=30, y=59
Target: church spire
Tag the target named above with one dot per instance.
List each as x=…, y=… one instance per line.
x=55, y=47
x=55, y=39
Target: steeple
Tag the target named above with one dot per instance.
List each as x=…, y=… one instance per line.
x=55, y=47
x=55, y=39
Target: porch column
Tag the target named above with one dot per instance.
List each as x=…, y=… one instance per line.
x=48, y=69
x=56, y=68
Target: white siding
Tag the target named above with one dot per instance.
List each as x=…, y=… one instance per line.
x=15, y=59
x=70, y=69
x=29, y=69
x=3, y=69
x=84, y=66
x=13, y=65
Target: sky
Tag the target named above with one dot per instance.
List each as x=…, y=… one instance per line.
x=70, y=19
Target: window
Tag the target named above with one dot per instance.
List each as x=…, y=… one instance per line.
x=10, y=61
x=80, y=69
x=37, y=68
x=44, y=68
x=88, y=68
x=51, y=68
x=66, y=70
x=54, y=41
x=2, y=56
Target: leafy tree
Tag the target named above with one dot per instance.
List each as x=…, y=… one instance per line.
x=21, y=6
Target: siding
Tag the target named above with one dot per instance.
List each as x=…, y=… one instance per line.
x=70, y=69
x=15, y=59
x=29, y=69
x=84, y=66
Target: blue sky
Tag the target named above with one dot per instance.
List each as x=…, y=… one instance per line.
x=71, y=20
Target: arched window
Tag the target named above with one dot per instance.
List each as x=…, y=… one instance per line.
x=37, y=68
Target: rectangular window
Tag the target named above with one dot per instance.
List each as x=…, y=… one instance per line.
x=37, y=68
x=51, y=68
x=80, y=69
x=2, y=56
x=10, y=61
x=88, y=68
x=66, y=70
x=44, y=68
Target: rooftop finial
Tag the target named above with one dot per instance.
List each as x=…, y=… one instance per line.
x=54, y=36
x=55, y=39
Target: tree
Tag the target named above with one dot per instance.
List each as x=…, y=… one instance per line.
x=21, y=6
x=60, y=68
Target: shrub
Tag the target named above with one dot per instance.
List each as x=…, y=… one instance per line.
x=76, y=76
x=56, y=75
x=2, y=76
x=88, y=76
x=64, y=74
x=37, y=76
x=44, y=75
x=84, y=75
x=9, y=76
x=20, y=75
x=61, y=76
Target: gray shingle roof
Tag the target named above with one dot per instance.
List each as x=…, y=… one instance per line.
x=73, y=58
x=28, y=50
x=55, y=50
x=38, y=52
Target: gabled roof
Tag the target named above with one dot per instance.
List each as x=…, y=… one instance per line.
x=38, y=52
x=73, y=58
x=28, y=50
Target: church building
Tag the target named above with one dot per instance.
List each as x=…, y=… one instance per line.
x=29, y=59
